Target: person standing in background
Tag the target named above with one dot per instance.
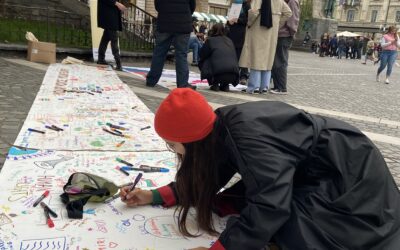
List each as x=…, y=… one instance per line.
x=389, y=43
x=109, y=19
x=285, y=39
x=260, y=41
x=236, y=32
x=174, y=24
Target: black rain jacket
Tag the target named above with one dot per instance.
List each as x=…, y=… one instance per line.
x=174, y=16
x=108, y=15
x=308, y=182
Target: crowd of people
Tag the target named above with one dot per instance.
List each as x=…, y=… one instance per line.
x=383, y=50
x=256, y=43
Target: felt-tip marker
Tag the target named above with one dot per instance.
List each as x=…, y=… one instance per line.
x=115, y=126
x=120, y=144
x=60, y=129
x=51, y=212
x=52, y=128
x=35, y=130
x=147, y=127
x=124, y=162
x=123, y=171
x=147, y=169
x=137, y=179
x=49, y=221
x=44, y=195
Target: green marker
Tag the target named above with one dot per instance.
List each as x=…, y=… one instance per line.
x=124, y=162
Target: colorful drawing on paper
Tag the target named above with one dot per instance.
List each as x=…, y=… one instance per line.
x=81, y=100
x=42, y=244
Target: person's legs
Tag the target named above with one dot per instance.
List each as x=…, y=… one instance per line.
x=391, y=60
x=102, y=48
x=265, y=80
x=163, y=43
x=279, y=69
x=194, y=45
x=113, y=34
x=254, y=81
x=382, y=66
x=243, y=72
x=180, y=42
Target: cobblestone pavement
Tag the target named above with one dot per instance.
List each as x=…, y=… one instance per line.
x=343, y=89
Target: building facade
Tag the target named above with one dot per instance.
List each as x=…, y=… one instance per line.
x=367, y=16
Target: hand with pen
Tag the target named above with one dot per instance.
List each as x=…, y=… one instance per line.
x=136, y=197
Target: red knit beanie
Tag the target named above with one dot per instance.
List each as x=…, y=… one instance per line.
x=184, y=116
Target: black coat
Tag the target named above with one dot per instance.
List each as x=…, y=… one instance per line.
x=108, y=15
x=218, y=56
x=174, y=16
x=237, y=31
x=310, y=182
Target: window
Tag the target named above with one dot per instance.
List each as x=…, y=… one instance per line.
x=374, y=15
x=397, y=16
x=350, y=16
x=218, y=11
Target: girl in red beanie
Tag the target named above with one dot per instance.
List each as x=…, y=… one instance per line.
x=307, y=181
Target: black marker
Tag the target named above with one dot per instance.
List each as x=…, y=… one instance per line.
x=35, y=130
x=51, y=212
x=147, y=127
x=60, y=129
x=123, y=171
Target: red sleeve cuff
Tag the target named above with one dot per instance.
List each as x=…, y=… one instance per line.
x=167, y=196
x=217, y=246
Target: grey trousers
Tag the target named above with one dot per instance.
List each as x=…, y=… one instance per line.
x=279, y=69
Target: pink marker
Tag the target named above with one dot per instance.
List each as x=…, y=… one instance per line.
x=44, y=195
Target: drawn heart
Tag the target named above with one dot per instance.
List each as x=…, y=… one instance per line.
x=112, y=245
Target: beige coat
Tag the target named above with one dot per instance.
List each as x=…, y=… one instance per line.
x=260, y=43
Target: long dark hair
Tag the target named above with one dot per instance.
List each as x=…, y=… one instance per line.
x=217, y=29
x=196, y=184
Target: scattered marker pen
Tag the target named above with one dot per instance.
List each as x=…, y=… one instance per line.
x=52, y=128
x=147, y=169
x=51, y=212
x=120, y=144
x=60, y=129
x=44, y=195
x=115, y=126
x=35, y=130
x=49, y=221
x=147, y=127
x=123, y=171
x=124, y=162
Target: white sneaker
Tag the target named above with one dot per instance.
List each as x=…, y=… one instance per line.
x=377, y=78
x=387, y=81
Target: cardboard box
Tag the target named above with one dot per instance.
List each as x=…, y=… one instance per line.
x=41, y=52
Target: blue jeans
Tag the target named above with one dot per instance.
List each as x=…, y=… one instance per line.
x=195, y=45
x=388, y=57
x=259, y=79
x=163, y=43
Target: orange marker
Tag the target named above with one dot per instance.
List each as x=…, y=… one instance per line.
x=120, y=144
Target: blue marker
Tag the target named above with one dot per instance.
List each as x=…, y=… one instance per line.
x=146, y=169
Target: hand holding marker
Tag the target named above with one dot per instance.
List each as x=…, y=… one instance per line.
x=137, y=179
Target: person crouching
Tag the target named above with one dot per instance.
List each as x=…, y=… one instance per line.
x=218, y=63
